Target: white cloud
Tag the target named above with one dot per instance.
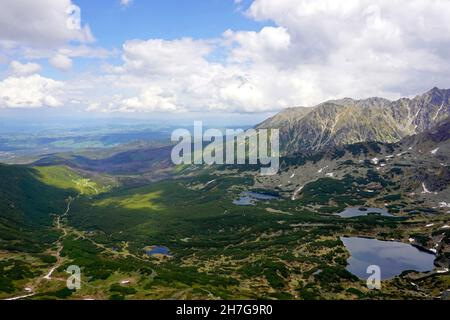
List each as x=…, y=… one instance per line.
x=313, y=51
x=70, y=51
x=361, y=47
x=151, y=99
x=125, y=3
x=45, y=29
x=61, y=62
x=177, y=75
x=41, y=23
x=317, y=50
x=30, y=92
x=23, y=69
x=269, y=45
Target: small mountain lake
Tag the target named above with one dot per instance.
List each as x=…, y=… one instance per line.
x=358, y=212
x=249, y=198
x=392, y=257
x=158, y=250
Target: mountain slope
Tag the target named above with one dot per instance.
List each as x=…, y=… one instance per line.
x=349, y=121
x=417, y=167
x=26, y=208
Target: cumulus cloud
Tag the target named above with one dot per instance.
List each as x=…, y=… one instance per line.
x=61, y=62
x=45, y=29
x=362, y=47
x=312, y=51
x=316, y=50
x=179, y=75
x=24, y=69
x=32, y=91
x=42, y=23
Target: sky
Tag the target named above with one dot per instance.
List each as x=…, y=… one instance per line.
x=224, y=58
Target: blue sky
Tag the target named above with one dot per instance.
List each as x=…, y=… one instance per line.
x=168, y=19
x=114, y=24
x=246, y=58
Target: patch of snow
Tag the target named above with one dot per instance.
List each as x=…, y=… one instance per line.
x=297, y=192
x=125, y=282
x=435, y=151
x=330, y=175
x=445, y=227
x=321, y=170
x=433, y=250
x=445, y=270
x=439, y=110
x=425, y=190
x=208, y=183
x=429, y=225
x=293, y=175
x=412, y=240
x=375, y=160
x=444, y=205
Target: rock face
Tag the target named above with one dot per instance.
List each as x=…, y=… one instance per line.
x=349, y=121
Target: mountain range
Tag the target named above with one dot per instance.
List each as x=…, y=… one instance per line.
x=349, y=121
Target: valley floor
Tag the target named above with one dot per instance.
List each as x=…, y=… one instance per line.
x=207, y=247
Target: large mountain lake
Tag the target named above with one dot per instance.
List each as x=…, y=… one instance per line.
x=357, y=212
x=392, y=257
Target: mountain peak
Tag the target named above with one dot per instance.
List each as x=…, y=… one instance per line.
x=438, y=92
x=434, y=90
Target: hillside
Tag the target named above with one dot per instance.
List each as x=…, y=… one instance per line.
x=27, y=205
x=135, y=161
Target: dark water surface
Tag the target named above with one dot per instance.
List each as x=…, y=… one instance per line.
x=392, y=257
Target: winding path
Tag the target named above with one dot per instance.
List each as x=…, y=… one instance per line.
x=60, y=227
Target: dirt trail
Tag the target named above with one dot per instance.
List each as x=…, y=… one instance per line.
x=66, y=230
x=60, y=227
